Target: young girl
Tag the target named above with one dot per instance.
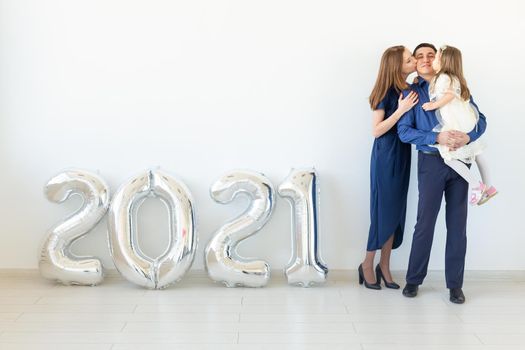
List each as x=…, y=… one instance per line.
x=451, y=97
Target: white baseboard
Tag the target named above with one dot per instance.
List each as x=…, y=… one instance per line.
x=351, y=274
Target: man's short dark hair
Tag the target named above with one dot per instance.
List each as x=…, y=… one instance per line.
x=424, y=45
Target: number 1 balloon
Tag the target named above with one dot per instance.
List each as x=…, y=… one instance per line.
x=301, y=190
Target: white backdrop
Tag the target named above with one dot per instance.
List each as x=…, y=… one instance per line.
x=202, y=87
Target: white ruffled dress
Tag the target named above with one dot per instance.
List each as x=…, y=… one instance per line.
x=459, y=115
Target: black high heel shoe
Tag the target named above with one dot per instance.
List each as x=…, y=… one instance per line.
x=363, y=280
x=379, y=275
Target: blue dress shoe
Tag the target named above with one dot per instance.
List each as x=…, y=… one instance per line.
x=410, y=290
x=457, y=296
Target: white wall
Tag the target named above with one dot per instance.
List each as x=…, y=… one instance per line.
x=203, y=87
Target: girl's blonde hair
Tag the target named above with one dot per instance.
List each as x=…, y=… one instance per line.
x=389, y=75
x=452, y=65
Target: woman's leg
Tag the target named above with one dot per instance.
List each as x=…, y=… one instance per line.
x=384, y=261
x=368, y=267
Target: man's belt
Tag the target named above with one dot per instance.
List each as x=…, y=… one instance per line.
x=436, y=154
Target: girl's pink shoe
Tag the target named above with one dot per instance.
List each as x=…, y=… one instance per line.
x=474, y=199
x=487, y=194
x=477, y=194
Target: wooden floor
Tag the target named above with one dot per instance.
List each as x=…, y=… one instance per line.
x=198, y=314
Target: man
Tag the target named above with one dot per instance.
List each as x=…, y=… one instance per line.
x=434, y=179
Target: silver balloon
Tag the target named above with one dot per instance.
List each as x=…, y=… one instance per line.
x=129, y=260
x=300, y=189
x=56, y=261
x=222, y=262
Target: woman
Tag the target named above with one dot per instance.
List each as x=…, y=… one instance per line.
x=389, y=165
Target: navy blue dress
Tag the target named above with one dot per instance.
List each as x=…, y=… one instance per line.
x=389, y=177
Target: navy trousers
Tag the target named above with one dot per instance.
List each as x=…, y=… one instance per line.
x=434, y=179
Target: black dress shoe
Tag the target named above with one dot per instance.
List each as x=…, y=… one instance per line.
x=379, y=275
x=457, y=296
x=362, y=279
x=410, y=290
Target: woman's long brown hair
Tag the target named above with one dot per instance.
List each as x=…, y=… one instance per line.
x=452, y=65
x=389, y=75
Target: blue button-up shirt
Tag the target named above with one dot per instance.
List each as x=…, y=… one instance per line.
x=417, y=124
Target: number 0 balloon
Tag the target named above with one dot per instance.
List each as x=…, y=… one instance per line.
x=129, y=260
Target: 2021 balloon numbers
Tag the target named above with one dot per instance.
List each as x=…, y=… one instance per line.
x=222, y=262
